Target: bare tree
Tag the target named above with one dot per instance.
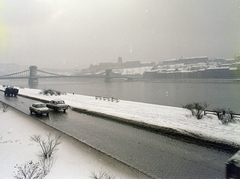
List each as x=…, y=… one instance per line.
x=46, y=164
x=226, y=116
x=48, y=148
x=29, y=170
x=197, y=109
x=101, y=175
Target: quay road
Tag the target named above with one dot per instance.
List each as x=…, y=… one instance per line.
x=155, y=155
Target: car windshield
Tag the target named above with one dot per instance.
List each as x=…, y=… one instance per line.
x=60, y=102
x=40, y=105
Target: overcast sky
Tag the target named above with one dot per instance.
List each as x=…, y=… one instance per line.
x=77, y=33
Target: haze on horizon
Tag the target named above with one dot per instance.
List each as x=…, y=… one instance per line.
x=75, y=34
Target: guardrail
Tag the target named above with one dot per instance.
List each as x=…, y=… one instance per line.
x=219, y=113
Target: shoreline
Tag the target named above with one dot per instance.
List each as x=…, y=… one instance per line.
x=156, y=80
x=179, y=134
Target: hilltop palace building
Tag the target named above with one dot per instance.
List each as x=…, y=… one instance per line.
x=118, y=65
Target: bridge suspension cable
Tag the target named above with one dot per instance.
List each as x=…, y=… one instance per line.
x=22, y=74
x=44, y=73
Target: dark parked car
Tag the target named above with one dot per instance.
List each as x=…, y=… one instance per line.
x=11, y=91
x=57, y=105
x=39, y=108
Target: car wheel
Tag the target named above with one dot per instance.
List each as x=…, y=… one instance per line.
x=31, y=112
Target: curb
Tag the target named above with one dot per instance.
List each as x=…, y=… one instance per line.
x=169, y=132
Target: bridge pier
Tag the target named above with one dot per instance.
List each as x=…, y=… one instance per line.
x=33, y=79
x=108, y=79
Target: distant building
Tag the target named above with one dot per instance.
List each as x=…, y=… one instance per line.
x=105, y=65
x=119, y=65
x=193, y=60
x=132, y=64
x=170, y=62
x=189, y=60
x=120, y=60
x=219, y=60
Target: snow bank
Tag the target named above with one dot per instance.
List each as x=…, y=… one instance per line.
x=73, y=159
x=176, y=118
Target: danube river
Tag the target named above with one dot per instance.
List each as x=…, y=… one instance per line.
x=216, y=95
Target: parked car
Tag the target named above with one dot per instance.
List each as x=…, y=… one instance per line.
x=39, y=108
x=11, y=91
x=57, y=105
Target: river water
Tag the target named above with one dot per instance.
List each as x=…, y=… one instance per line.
x=215, y=94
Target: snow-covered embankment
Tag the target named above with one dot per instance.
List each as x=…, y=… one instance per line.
x=166, y=119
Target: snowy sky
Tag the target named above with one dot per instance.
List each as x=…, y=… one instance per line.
x=77, y=33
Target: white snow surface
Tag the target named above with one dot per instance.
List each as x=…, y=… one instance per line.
x=166, y=116
x=75, y=160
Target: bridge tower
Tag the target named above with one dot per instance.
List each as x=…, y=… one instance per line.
x=108, y=75
x=33, y=79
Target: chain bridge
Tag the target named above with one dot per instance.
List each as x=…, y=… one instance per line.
x=33, y=74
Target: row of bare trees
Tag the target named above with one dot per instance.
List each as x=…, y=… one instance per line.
x=198, y=110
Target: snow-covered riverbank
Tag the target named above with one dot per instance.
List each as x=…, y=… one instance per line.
x=175, y=118
x=17, y=128
x=74, y=160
